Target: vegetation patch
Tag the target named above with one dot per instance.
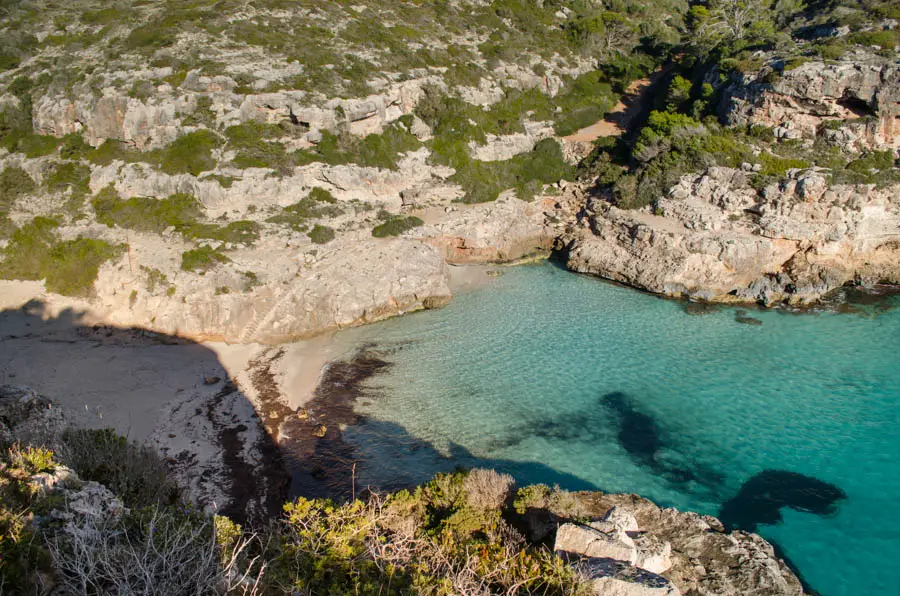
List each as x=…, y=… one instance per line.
x=395, y=226
x=318, y=204
x=146, y=214
x=67, y=267
x=321, y=234
x=374, y=150
x=202, y=259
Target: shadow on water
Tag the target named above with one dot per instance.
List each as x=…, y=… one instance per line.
x=358, y=452
x=763, y=496
x=126, y=378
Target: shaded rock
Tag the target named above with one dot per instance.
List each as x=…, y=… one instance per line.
x=614, y=578
x=705, y=559
x=28, y=417
x=591, y=542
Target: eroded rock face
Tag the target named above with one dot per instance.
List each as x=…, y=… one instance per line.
x=704, y=558
x=144, y=125
x=351, y=283
x=796, y=103
x=717, y=239
x=501, y=231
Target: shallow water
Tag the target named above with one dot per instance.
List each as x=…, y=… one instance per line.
x=559, y=378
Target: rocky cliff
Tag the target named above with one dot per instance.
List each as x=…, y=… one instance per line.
x=853, y=102
x=713, y=237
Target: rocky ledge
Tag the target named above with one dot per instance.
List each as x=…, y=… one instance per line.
x=636, y=548
x=714, y=237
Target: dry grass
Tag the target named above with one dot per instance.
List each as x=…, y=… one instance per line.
x=488, y=489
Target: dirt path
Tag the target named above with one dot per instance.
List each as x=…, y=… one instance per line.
x=629, y=107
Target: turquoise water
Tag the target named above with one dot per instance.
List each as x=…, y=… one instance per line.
x=518, y=376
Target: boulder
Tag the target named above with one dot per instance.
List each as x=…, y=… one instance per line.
x=586, y=541
x=614, y=578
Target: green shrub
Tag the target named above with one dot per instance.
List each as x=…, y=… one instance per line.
x=483, y=181
x=374, y=150
x=202, y=259
x=773, y=165
x=396, y=226
x=188, y=154
x=254, y=151
x=14, y=183
x=149, y=38
x=111, y=150
x=319, y=203
x=33, y=145
x=68, y=267
x=33, y=460
x=72, y=146
x=69, y=175
x=321, y=234
x=73, y=265
x=135, y=473
x=179, y=211
x=146, y=214
x=237, y=232
x=155, y=279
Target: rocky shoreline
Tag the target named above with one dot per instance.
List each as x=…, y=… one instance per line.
x=631, y=547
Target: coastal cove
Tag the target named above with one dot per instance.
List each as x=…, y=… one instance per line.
x=563, y=379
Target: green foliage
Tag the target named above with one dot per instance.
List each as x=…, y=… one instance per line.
x=14, y=183
x=254, y=151
x=72, y=146
x=396, y=226
x=135, y=473
x=71, y=266
x=68, y=267
x=202, y=259
x=424, y=539
x=156, y=279
x=149, y=38
x=146, y=214
x=69, y=176
x=188, y=154
x=33, y=145
x=22, y=556
x=31, y=459
x=773, y=165
x=374, y=150
x=319, y=203
x=526, y=173
x=321, y=234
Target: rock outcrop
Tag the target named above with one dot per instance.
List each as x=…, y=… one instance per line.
x=715, y=238
x=352, y=283
x=616, y=556
x=498, y=232
x=858, y=96
x=701, y=558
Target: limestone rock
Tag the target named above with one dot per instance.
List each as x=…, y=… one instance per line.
x=591, y=542
x=60, y=477
x=799, y=100
x=704, y=558
x=505, y=230
x=613, y=578
x=715, y=238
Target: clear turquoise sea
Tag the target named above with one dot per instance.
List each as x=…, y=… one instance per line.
x=568, y=380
